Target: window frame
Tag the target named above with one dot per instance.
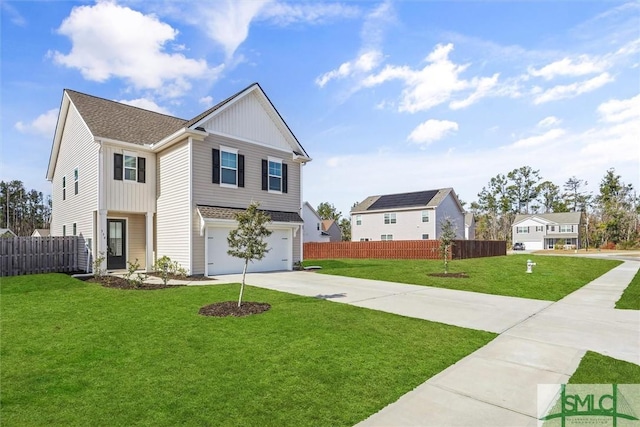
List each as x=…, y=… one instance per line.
x=76, y=179
x=234, y=152
x=425, y=238
x=386, y=237
x=522, y=230
x=358, y=219
x=129, y=154
x=390, y=218
x=566, y=228
x=425, y=216
x=275, y=161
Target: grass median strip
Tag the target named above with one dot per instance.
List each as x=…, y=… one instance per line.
x=596, y=368
x=630, y=299
x=553, y=277
x=78, y=354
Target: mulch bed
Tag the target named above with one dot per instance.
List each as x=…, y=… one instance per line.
x=120, y=283
x=230, y=308
x=190, y=278
x=450, y=275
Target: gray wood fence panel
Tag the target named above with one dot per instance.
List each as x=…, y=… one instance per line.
x=34, y=255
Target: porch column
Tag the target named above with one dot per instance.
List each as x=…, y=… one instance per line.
x=149, y=244
x=101, y=236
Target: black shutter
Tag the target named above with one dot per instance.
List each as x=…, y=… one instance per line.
x=142, y=169
x=284, y=177
x=215, y=178
x=240, y=170
x=265, y=175
x=117, y=167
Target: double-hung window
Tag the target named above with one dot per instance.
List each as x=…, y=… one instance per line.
x=386, y=237
x=228, y=167
x=389, y=218
x=566, y=228
x=275, y=175
x=358, y=219
x=425, y=216
x=130, y=167
x=522, y=230
x=425, y=237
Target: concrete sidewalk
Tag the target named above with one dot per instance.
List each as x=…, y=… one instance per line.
x=540, y=343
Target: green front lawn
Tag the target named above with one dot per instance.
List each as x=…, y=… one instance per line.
x=596, y=368
x=630, y=299
x=553, y=277
x=77, y=354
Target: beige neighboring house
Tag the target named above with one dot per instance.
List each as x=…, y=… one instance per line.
x=41, y=232
x=313, y=231
x=469, y=226
x=544, y=231
x=406, y=216
x=139, y=185
x=331, y=227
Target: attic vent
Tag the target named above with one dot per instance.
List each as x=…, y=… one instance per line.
x=201, y=129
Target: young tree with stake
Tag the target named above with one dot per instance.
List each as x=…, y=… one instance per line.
x=247, y=241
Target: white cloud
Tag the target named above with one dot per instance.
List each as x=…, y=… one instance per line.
x=364, y=63
x=551, y=135
x=44, y=125
x=281, y=13
x=434, y=84
x=12, y=12
x=549, y=121
x=109, y=40
x=431, y=131
x=370, y=55
x=146, y=104
x=206, y=101
x=581, y=66
x=572, y=90
x=617, y=110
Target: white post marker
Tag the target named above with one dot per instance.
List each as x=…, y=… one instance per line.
x=529, y=265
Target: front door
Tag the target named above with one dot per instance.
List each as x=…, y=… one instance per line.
x=116, y=244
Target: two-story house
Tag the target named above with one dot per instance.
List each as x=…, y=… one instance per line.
x=545, y=231
x=407, y=216
x=313, y=227
x=137, y=184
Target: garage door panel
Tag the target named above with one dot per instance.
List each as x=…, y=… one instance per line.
x=279, y=256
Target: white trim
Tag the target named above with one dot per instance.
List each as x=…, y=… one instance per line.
x=126, y=229
x=191, y=205
x=224, y=148
x=124, y=145
x=271, y=159
x=176, y=137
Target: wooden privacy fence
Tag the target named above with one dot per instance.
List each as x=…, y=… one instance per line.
x=403, y=249
x=33, y=255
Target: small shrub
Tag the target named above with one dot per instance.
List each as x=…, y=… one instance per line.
x=167, y=268
x=629, y=244
x=96, y=265
x=134, y=278
x=560, y=244
x=608, y=245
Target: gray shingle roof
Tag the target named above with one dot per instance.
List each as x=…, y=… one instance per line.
x=217, y=212
x=430, y=198
x=121, y=122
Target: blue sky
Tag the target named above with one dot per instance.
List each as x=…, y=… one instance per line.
x=386, y=97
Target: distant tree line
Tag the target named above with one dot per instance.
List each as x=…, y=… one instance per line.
x=611, y=214
x=22, y=210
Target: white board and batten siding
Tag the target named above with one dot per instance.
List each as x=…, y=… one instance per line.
x=77, y=150
x=129, y=196
x=174, y=208
x=250, y=119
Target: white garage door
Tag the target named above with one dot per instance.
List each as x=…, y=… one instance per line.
x=219, y=262
x=533, y=246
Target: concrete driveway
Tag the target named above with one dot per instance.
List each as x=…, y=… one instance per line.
x=540, y=342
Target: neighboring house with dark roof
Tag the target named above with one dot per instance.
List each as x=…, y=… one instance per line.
x=313, y=231
x=137, y=184
x=41, y=232
x=469, y=226
x=331, y=227
x=406, y=216
x=545, y=231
